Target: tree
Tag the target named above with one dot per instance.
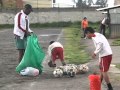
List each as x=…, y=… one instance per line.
x=90, y=2
x=101, y=2
x=79, y=3
x=82, y=3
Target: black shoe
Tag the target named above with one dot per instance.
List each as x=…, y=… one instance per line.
x=50, y=64
x=63, y=64
x=110, y=88
x=54, y=65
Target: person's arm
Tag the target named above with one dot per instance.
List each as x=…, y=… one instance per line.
x=49, y=51
x=27, y=33
x=87, y=23
x=29, y=27
x=82, y=24
x=20, y=22
x=98, y=49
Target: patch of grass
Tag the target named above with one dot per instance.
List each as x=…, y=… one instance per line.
x=2, y=26
x=74, y=50
x=116, y=42
x=53, y=24
x=41, y=25
x=118, y=65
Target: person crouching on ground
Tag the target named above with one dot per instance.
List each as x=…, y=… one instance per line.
x=55, y=51
x=105, y=53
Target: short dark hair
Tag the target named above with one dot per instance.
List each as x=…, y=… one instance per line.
x=28, y=6
x=51, y=42
x=85, y=18
x=89, y=30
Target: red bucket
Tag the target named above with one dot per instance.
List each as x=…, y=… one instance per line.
x=95, y=82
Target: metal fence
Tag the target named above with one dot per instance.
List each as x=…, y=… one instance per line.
x=115, y=22
x=115, y=25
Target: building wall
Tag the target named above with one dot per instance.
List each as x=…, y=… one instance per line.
x=39, y=3
x=19, y=3
x=117, y=2
x=9, y=3
x=63, y=3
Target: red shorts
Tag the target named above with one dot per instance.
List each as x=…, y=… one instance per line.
x=57, y=53
x=105, y=63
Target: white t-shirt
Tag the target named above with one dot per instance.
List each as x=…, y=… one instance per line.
x=102, y=45
x=52, y=46
x=104, y=21
x=20, y=24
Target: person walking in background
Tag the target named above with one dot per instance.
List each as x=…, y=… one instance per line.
x=105, y=53
x=55, y=51
x=21, y=29
x=84, y=24
x=103, y=25
x=1, y=2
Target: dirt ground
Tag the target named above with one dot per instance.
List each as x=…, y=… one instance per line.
x=10, y=80
x=9, y=55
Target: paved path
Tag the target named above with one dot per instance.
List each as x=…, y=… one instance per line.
x=114, y=72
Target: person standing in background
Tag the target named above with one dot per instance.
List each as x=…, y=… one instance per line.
x=84, y=25
x=103, y=25
x=22, y=30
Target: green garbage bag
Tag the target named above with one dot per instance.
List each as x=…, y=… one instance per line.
x=33, y=56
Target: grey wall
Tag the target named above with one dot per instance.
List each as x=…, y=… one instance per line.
x=53, y=15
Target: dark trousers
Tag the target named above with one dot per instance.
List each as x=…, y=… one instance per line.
x=83, y=32
x=102, y=29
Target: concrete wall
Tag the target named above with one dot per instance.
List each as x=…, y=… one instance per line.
x=53, y=15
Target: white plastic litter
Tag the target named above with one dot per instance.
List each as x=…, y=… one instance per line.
x=29, y=71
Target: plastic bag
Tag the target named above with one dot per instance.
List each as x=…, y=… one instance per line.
x=33, y=56
x=29, y=71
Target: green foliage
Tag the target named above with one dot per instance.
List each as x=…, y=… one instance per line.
x=101, y=2
x=118, y=65
x=53, y=24
x=95, y=26
x=116, y=42
x=6, y=26
x=41, y=25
